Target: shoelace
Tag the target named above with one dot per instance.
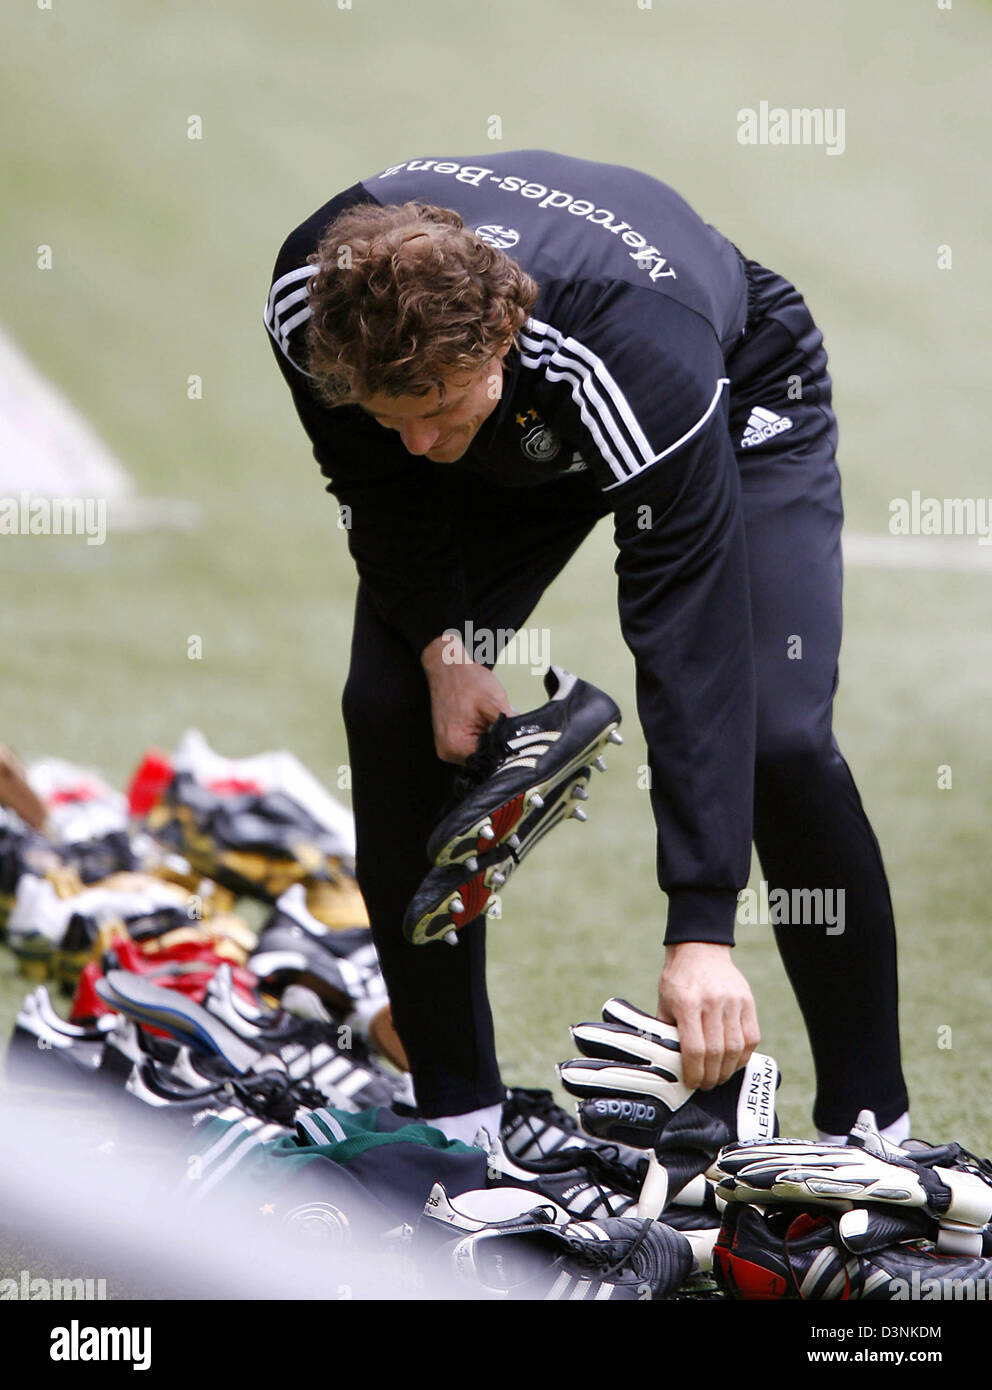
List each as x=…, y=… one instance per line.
x=853, y=1285
x=611, y=1256
x=605, y=1258
x=490, y=751
x=842, y=1254
x=602, y=1167
x=541, y=1105
x=952, y=1156
x=273, y=1095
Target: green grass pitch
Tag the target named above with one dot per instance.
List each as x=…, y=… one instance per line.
x=162, y=248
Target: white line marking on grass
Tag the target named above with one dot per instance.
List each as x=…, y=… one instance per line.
x=881, y=551
x=47, y=448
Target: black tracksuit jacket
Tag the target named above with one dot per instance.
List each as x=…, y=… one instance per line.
x=626, y=368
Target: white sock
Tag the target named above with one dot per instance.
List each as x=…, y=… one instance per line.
x=895, y=1133
x=898, y=1130
x=465, y=1127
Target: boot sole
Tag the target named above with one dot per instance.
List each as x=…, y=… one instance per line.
x=504, y=819
x=477, y=891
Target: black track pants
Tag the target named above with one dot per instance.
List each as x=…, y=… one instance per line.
x=399, y=786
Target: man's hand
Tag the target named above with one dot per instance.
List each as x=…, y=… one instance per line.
x=703, y=993
x=466, y=699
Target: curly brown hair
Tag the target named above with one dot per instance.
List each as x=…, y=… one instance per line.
x=403, y=296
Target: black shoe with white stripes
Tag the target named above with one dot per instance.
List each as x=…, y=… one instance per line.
x=272, y=1095
x=334, y=1061
x=453, y=895
x=776, y=1253
x=519, y=761
x=533, y=1125
x=532, y=1257
x=129, y=1045
x=294, y=947
x=171, y=1079
x=587, y=1183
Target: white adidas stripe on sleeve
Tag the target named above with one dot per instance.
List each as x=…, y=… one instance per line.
x=283, y=297
x=721, y=383
x=603, y=407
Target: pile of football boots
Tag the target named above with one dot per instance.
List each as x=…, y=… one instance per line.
x=98, y=887
x=177, y=1002
x=180, y=1010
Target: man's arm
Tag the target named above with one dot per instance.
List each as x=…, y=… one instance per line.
x=643, y=376
x=685, y=613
